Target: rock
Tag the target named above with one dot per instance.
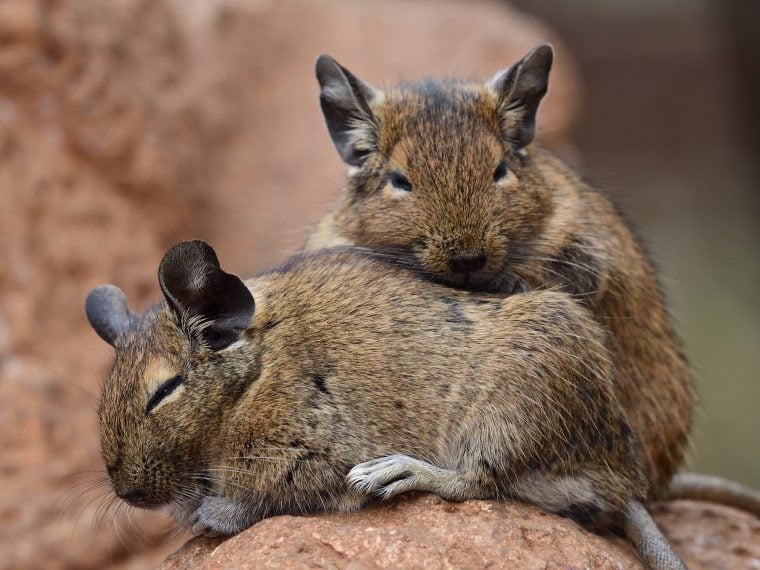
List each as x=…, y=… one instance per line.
x=710, y=536
x=94, y=167
x=422, y=531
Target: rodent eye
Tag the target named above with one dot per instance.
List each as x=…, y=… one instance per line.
x=500, y=172
x=163, y=391
x=400, y=181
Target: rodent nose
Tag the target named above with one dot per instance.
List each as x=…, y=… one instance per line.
x=467, y=263
x=134, y=497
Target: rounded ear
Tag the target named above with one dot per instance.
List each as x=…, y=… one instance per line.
x=107, y=311
x=520, y=89
x=195, y=286
x=345, y=102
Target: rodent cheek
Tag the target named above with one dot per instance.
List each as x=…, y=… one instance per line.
x=433, y=255
x=108, y=451
x=391, y=222
x=392, y=193
x=511, y=180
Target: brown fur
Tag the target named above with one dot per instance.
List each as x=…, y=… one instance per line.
x=348, y=359
x=540, y=227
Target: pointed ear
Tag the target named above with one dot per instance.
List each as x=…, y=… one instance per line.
x=195, y=286
x=520, y=89
x=107, y=311
x=345, y=102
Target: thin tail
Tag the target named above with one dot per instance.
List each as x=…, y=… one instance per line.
x=699, y=487
x=653, y=548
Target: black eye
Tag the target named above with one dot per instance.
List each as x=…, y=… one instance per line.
x=400, y=181
x=163, y=391
x=500, y=172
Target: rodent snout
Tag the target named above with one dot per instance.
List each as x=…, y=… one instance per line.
x=467, y=262
x=142, y=486
x=136, y=497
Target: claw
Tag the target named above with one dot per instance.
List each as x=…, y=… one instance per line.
x=389, y=476
x=218, y=516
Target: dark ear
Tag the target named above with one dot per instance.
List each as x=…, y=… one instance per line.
x=195, y=286
x=345, y=105
x=106, y=309
x=520, y=89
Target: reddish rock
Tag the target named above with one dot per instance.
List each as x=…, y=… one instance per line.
x=94, y=175
x=426, y=532
x=710, y=536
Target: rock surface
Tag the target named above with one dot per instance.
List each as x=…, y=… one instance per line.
x=425, y=532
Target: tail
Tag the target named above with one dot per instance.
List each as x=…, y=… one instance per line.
x=699, y=487
x=653, y=548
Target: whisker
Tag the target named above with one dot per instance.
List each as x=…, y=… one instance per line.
x=71, y=496
x=91, y=396
x=266, y=458
x=225, y=482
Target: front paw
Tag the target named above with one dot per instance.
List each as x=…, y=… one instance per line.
x=218, y=516
x=389, y=476
x=184, y=512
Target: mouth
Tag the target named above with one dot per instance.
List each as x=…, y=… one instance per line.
x=146, y=497
x=503, y=282
x=142, y=502
x=477, y=281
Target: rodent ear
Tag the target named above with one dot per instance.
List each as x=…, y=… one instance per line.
x=195, y=286
x=345, y=102
x=107, y=311
x=520, y=89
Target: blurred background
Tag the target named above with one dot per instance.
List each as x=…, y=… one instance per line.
x=126, y=126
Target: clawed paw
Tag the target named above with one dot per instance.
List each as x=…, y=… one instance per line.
x=389, y=476
x=217, y=516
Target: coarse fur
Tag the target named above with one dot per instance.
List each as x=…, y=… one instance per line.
x=514, y=398
x=443, y=176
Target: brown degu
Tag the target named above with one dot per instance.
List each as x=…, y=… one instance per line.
x=443, y=175
x=340, y=377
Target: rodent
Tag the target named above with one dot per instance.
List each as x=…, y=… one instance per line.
x=339, y=377
x=445, y=175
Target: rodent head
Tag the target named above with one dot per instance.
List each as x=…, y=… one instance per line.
x=177, y=368
x=438, y=169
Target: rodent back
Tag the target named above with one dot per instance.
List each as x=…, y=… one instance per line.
x=349, y=353
x=362, y=359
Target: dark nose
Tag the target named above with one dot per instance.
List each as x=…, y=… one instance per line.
x=467, y=263
x=135, y=497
